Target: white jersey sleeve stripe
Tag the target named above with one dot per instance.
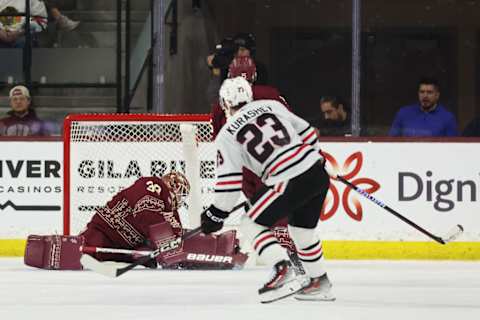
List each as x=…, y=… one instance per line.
x=305, y=130
x=290, y=160
x=280, y=155
x=310, y=138
x=227, y=175
x=229, y=182
x=294, y=163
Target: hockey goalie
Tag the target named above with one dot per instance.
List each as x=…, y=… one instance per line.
x=139, y=219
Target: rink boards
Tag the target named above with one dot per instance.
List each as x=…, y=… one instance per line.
x=434, y=184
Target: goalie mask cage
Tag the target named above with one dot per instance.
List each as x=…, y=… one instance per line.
x=105, y=153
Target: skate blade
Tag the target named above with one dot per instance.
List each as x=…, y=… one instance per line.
x=286, y=290
x=320, y=296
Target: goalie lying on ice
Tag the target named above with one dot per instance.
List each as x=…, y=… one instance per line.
x=142, y=217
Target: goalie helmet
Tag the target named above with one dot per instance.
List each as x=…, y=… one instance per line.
x=234, y=93
x=243, y=67
x=179, y=187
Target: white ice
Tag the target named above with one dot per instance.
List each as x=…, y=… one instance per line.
x=370, y=290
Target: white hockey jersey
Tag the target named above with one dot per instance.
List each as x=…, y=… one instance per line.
x=266, y=138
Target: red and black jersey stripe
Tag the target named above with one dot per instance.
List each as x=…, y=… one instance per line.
x=231, y=182
x=287, y=159
x=309, y=136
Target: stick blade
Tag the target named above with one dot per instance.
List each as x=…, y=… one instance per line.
x=453, y=234
x=89, y=262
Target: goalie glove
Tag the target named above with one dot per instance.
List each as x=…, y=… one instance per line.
x=212, y=219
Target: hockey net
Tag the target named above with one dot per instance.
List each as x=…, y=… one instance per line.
x=105, y=153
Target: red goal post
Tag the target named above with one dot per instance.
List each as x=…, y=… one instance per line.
x=104, y=153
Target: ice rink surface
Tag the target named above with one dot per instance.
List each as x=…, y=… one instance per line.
x=365, y=290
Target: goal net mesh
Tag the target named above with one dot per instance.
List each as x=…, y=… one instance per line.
x=105, y=156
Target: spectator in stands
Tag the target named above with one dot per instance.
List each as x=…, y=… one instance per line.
x=427, y=117
x=12, y=25
x=63, y=22
x=472, y=129
x=10, y=37
x=336, y=117
x=22, y=119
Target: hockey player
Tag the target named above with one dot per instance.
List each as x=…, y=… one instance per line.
x=140, y=217
x=245, y=67
x=126, y=219
x=283, y=150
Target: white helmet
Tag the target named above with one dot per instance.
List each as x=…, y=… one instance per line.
x=234, y=92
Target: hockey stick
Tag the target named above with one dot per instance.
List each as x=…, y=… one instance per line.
x=452, y=235
x=92, y=250
x=114, y=270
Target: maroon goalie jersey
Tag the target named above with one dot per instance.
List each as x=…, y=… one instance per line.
x=124, y=222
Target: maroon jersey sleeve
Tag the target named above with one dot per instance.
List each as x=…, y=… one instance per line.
x=127, y=217
x=218, y=118
x=268, y=92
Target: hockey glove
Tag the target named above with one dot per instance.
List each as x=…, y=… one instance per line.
x=212, y=219
x=331, y=171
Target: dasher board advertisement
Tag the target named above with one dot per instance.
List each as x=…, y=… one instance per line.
x=434, y=184
x=437, y=185
x=31, y=188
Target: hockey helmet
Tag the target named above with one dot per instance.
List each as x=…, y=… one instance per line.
x=243, y=67
x=179, y=187
x=234, y=92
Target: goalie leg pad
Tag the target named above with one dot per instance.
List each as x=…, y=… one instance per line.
x=163, y=238
x=197, y=252
x=95, y=237
x=54, y=252
x=207, y=252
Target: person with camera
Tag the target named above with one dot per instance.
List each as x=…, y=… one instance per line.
x=241, y=45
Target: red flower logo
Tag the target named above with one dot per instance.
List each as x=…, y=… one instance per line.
x=350, y=169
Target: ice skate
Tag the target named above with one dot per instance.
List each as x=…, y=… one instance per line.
x=282, y=284
x=319, y=289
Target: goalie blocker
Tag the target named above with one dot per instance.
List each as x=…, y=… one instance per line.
x=56, y=252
